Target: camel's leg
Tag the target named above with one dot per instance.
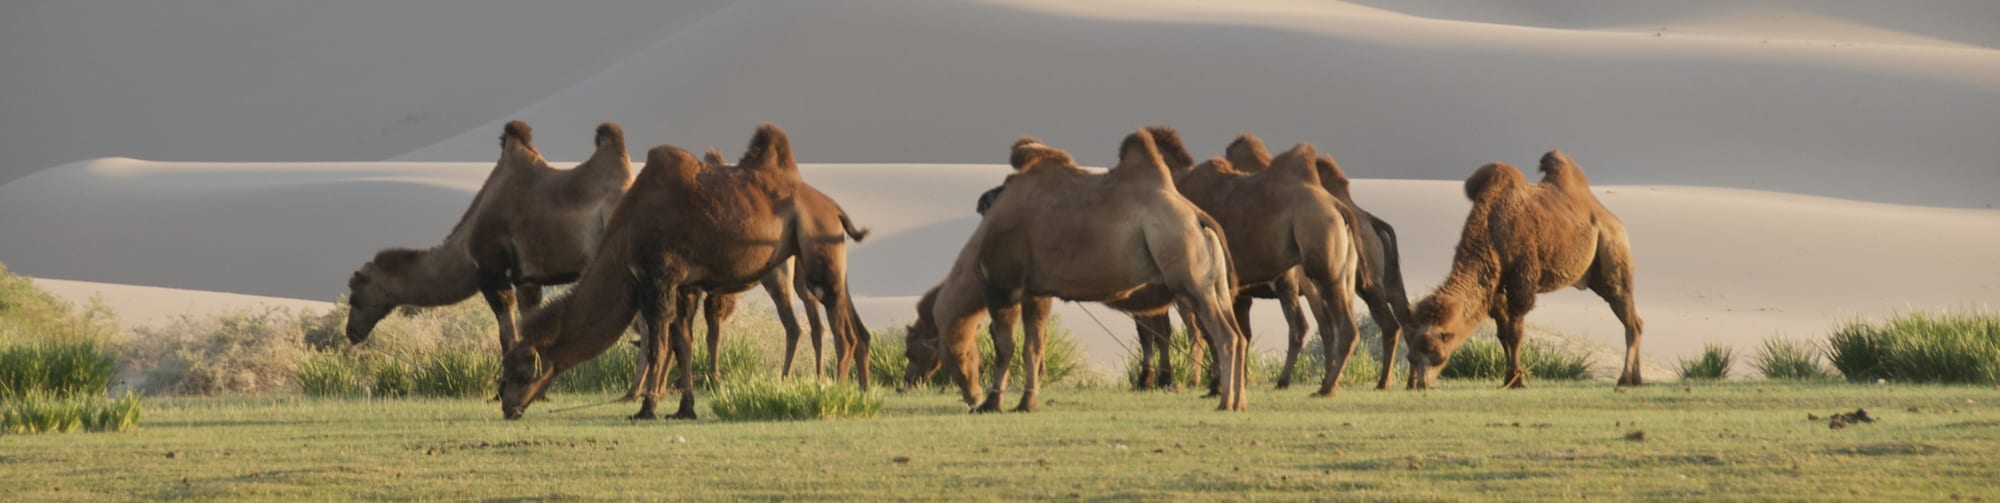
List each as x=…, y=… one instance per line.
x=1001, y=329
x=1334, y=284
x=643, y=374
x=829, y=271
x=499, y=294
x=1295, y=324
x=862, y=339
x=812, y=301
x=1147, y=327
x=682, y=340
x=657, y=301
x=715, y=309
x=1391, y=332
x=778, y=284
x=1034, y=328
x=1511, y=322
x=1616, y=289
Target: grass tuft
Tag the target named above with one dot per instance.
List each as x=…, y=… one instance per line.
x=462, y=373
x=41, y=412
x=1781, y=358
x=1712, y=364
x=1943, y=347
x=770, y=400
x=1483, y=358
x=330, y=374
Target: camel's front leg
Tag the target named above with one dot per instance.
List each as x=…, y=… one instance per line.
x=681, y=337
x=778, y=284
x=1295, y=325
x=499, y=294
x=1001, y=329
x=1034, y=321
x=1391, y=333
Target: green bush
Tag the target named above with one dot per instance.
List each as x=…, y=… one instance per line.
x=1949, y=347
x=40, y=412
x=458, y=374
x=1782, y=358
x=330, y=374
x=59, y=368
x=391, y=379
x=29, y=315
x=1483, y=358
x=1713, y=364
x=768, y=400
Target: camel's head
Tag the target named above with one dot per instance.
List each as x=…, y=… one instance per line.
x=370, y=292
x=1441, y=326
x=523, y=375
x=921, y=342
x=987, y=198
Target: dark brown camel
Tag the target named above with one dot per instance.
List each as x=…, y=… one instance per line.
x=683, y=227
x=1521, y=240
x=529, y=226
x=1060, y=231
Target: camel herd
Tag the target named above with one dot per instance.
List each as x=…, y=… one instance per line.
x=1156, y=232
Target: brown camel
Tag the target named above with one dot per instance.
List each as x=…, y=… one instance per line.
x=683, y=227
x=1280, y=220
x=821, y=282
x=529, y=226
x=1061, y=231
x=1521, y=240
x=1380, y=284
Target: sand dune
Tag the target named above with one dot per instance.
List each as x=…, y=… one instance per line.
x=141, y=306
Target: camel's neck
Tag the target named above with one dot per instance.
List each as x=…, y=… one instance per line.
x=1475, y=270
x=589, y=320
x=441, y=275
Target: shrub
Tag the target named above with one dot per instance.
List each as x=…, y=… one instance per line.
x=40, y=412
x=30, y=315
x=1483, y=358
x=766, y=399
x=330, y=374
x=1713, y=364
x=59, y=368
x=243, y=351
x=1782, y=358
x=1948, y=347
x=458, y=374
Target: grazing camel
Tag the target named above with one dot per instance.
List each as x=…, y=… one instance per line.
x=1380, y=284
x=683, y=227
x=821, y=282
x=1061, y=231
x=1280, y=222
x=1521, y=240
x=529, y=226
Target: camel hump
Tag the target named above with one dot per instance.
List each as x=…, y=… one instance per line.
x=1029, y=153
x=1247, y=152
x=1298, y=162
x=1215, y=165
x=769, y=148
x=1171, y=149
x=1331, y=176
x=1493, y=177
x=518, y=132
x=1557, y=169
x=610, y=134
x=713, y=156
x=1139, y=158
x=671, y=162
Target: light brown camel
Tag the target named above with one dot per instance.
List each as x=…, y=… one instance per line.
x=1061, y=231
x=529, y=226
x=1380, y=284
x=1280, y=222
x=821, y=283
x=683, y=227
x=1521, y=240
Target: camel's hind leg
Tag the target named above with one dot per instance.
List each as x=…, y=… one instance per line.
x=1001, y=329
x=802, y=285
x=1614, y=284
x=1332, y=272
x=1510, y=323
x=1197, y=271
x=1034, y=328
x=1155, y=359
x=1391, y=332
x=1287, y=288
x=716, y=308
x=778, y=285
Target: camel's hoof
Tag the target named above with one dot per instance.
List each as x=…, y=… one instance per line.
x=1325, y=393
x=1026, y=408
x=984, y=408
x=684, y=415
x=644, y=416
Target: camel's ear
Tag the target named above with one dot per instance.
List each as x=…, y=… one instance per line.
x=610, y=134
x=357, y=280
x=1171, y=150
x=769, y=148
x=1029, y=152
x=714, y=157
x=1247, y=152
x=519, y=133
x=1492, y=176
x=527, y=367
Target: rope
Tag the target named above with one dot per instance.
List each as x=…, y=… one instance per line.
x=584, y=406
x=1100, y=324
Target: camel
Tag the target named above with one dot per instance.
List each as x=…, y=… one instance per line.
x=1521, y=240
x=1380, y=284
x=821, y=281
x=1280, y=223
x=683, y=227
x=529, y=226
x=1061, y=231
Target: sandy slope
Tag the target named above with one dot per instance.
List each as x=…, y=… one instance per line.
x=140, y=306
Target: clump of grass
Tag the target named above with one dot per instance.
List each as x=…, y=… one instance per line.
x=61, y=368
x=41, y=412
x=1781, y=358
x=769, y=400
x=392, y=379
x=1713, y=364
x=609, y=372
x=1945, y=347
x=1483, y=358
x=1363, y=366
x=1063, y=362
x=458, y=374
x=330, y=374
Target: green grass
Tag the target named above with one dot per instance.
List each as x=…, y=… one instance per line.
x=1780, y=358
x=1745, y=440
x=767, y=399
x=1948, y=347
x=1482, y=358
x=41, y=412
x=1712, y=364
x=458, y=374
x=59, y=368
x=1063, y=361
x=327, y=373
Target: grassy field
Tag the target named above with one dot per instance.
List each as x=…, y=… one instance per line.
x=1734, y=440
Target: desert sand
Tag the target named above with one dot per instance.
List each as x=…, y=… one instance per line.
x=1782, y=166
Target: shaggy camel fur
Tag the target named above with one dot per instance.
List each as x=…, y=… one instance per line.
x=1279, y=220
x=684, y=227
x=821, y=282
x=1060, y=231
x=1380, y=284
x=529, y=226
x=1521, y=240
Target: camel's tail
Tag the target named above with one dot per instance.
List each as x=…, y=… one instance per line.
x=855, y=233
x=1171, y=149
x=1248, y=152
x=1392, y=267
x=1498, y=175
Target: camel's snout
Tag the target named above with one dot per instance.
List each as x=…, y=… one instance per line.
x=513, y=413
